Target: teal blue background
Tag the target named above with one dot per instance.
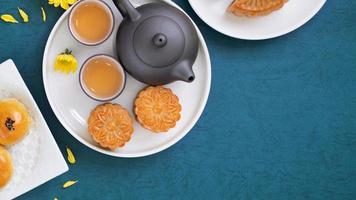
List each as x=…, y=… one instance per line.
x=280, y=122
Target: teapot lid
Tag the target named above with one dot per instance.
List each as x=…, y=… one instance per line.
x=158, y=41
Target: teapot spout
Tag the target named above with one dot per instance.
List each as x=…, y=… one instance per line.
x=184, y=72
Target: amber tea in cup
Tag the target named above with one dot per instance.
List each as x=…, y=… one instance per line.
x=91, y=22
x=102, y=78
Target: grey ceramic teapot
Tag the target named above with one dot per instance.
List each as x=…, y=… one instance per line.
x=156, y=43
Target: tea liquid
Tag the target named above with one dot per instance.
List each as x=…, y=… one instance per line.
x=91, y=21
x=102, y=77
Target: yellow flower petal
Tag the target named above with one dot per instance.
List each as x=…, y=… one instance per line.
x=55, y=3
x=9, y=18
x=60, y=57
x=69, y=183
x=64, y=5
x=44, y=16
x=24, y=15
x=71, y=2
x=55, y=198
x=70, y=157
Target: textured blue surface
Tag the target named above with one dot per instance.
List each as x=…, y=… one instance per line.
x=280, y=122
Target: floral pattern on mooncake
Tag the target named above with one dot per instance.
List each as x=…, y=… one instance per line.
x=157, y=109
x=252, y=8
x=110, y=125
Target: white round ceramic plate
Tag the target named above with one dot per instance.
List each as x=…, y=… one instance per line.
x=72, y=107
x=291, y=16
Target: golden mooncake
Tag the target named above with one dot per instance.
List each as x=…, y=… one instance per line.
x=252, y=8
x=15, y=121
x=110, y=125
x=157, y=109
x=6, y=168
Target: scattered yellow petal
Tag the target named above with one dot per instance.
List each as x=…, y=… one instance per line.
x=69, y=183
x=70, y=157
x=9, y=18
x=24, y=15
x=44, y=16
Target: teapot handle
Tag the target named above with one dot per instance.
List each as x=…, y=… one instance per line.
x=127, y=10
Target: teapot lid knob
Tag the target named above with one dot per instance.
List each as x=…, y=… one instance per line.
x=159, y=40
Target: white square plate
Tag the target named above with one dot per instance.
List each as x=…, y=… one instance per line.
x=37, y=158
